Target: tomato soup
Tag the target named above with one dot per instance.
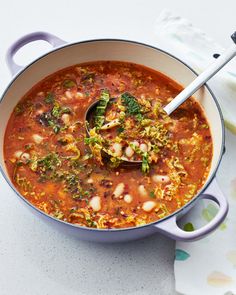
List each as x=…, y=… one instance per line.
x=63, y=170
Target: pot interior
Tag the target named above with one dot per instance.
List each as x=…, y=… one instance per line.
x=112, y=50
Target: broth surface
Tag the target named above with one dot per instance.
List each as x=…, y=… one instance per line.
x=49, y=160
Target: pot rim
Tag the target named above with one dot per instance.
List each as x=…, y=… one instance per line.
x=175, y=213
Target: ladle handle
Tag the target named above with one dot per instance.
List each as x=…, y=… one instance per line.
x=202, y=78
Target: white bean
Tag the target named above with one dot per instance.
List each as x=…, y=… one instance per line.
x=37, y=138
x=90, y=180
x=117, y=149
x=18, y=154
x=79, y=95
x=128, y=198
x=143, y=147
x=160, y=178
x=65, y=118
x=129, y=151
x=119, y=190
x=142, y=191
x=148, y=206
x=95, y=203
x=68, y=94
x=25, y=157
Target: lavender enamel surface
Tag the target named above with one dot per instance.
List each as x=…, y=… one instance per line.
x=171, y=229
x=15, y=68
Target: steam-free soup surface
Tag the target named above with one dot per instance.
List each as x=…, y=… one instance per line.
x=61, y=170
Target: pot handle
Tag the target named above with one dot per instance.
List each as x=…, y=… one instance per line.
x=170, y=228
x=52, y=39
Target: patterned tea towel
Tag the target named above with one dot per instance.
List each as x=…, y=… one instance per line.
x=208, y=266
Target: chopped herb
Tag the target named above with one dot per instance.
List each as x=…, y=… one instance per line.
x=58, y=214
x=81, y=194
x=46, y=166
x=72, y=181
x=131, y=103
x=120, y=129
x=91, y=223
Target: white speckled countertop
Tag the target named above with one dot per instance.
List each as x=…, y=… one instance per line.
x=34, y=258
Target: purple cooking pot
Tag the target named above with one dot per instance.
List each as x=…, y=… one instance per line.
x=65, y=55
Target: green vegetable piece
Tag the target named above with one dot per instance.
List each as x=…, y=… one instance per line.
x=99, y=117
x=91, y=140
x=65, y=110
x=49, y=99
x=145, y=163
x=56, y=110
x=152, y=194
x=189, y=227
x=56, y=129
x=69, y=84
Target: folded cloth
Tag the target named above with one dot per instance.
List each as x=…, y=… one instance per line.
x=207, y=266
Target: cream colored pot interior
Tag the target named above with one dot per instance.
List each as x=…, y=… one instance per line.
x=111, y=50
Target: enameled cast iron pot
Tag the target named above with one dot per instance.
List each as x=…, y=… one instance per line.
x=65, y=55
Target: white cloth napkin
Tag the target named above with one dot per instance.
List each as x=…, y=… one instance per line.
x=207, y=266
